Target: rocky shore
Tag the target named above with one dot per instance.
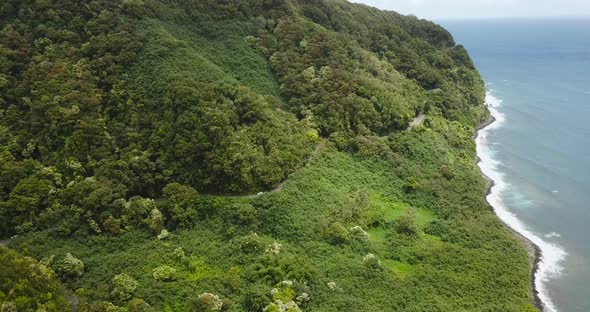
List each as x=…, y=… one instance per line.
x=533, y=251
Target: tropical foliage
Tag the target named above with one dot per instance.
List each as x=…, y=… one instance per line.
x=133, y=132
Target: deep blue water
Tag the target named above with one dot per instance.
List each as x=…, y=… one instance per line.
x=540, y=71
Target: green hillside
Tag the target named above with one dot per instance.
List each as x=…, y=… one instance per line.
x=198, y=155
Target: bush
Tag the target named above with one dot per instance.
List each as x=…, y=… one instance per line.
x=164, y=273
x=138, y=305
x=357, y=233
x=372, y=262
x=164, y=235
x=256, y=298
x=335, y=233
x=123, y=287
x=206, y=302
x=406, y=224
x=250, y=243
x=156, y=221
x=8, y=307
x=104, y=306
x=178, y=254
x=284, y=298
x=70, y=267
x=274, y=248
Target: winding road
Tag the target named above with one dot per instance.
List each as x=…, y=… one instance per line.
x=416, y=122
x=319, y=147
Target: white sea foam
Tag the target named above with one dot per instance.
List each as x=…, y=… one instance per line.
x=552, y=234
x=551, y=254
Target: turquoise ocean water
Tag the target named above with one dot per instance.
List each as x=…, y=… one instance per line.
x=538, y=152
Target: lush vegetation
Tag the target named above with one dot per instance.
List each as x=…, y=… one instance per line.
x=26, y=285
x=130, y=132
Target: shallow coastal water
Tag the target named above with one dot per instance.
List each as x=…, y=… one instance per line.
x=538, y=151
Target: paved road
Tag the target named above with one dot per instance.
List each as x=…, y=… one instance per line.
x=417, y=121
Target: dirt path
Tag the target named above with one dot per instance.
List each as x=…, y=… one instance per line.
x=417, y=121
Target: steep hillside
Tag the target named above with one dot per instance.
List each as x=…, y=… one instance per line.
x=133, y=133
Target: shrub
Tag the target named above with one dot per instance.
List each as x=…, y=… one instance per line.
x=138, y=305
x=156, y=221
x=313, y=135
x=104, y=306
x=164, y=273
x=256, y=298
x=8, y=307
x=123, y=286
x=233, y=279
x=333, y=286
x=274, y=248
x=243, y=214
x=70, y=266
x=335, y=233
x=285, y=298
x=406, y=224
x=164, y=235
x=178, y=254
x=250, y=243
x=372, y=262
x=358, y=233
x=206, y=302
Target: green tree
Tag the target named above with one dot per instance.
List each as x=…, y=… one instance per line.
x=139, y=305
x=179, y=205
x=206, y=302
x=26, y=285
x=123, y=287
x=164, y=273
x=406, y=224
x=70, y=266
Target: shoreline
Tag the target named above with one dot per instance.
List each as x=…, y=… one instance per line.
x=533, y=251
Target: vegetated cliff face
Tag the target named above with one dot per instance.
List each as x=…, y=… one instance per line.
x=106, y=105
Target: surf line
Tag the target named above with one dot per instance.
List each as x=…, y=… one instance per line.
x=546, y=257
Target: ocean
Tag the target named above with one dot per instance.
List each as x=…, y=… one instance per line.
x=537, y=72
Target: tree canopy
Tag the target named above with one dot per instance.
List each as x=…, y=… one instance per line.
x=237, y=155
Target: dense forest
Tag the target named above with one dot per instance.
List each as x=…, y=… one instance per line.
x=226, y=155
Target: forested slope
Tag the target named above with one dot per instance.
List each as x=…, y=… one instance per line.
x=124, y=125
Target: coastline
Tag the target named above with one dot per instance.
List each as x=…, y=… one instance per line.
x=533, y=251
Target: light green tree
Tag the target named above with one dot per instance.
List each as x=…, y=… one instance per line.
x=207, y=302
x=70, y=266
x=164, y=273
x=123, y=287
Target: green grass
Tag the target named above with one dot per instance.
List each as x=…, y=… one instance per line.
x=391, y=210
x=398, y=268
x=377, y=234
